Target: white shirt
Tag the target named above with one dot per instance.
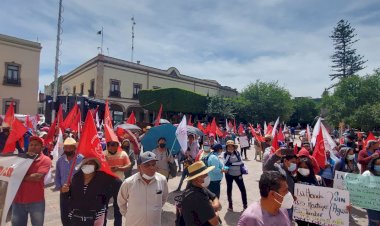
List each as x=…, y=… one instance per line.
x=142, y=203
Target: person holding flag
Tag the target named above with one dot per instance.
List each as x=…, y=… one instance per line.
x=30, y=197
x=63, y=166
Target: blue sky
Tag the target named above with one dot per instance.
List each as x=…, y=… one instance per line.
x=234, y=42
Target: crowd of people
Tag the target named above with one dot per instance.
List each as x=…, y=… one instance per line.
x=139, y=196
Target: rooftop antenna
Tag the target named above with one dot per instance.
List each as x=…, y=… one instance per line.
x=133, y=36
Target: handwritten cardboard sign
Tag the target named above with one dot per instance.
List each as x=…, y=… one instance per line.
x=364, y=190
x=339, y=180
x=320, y=205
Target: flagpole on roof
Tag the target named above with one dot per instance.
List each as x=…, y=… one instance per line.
x=133, y=36
x=57, y=53
x=101, y=46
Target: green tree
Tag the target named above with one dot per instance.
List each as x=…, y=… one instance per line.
x=305, y=111
x=265, y=101
x=218, y=106
x=346, y=62
x=355, y=101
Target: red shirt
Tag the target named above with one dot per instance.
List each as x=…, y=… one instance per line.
x=33, y=191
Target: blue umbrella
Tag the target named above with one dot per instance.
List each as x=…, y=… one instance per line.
x=167, y=131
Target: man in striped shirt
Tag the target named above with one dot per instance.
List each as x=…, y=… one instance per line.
x=119, y=162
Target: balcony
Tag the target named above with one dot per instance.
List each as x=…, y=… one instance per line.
x=135, y=96
x=11, y=82
x=115, y=93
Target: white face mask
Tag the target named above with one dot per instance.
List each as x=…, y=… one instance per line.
x=287, y=201
x=87, y=169
x=146, y=177
x=206, y=182
x=292, y=167
x=350, y=157
x=206, y=148
x=304, y=172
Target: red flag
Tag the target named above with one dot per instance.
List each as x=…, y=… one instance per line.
x=369, y=137
x=89, y=144
x=10, y=115
x=258, y=138
x=132, y=118
x=319, y=150
x=17, y=132
x=241, y=129
x=107, y=116
x=120, y=132
x=157, y=122
x=234, y=126
x=189, y=122
x=212, y=127
x=110, y=134
x=50, y=136
x=207, y=129
x=70, y=118
x=258, y=126
x=230, y=126
x=295, y=149
x=200, y=127
x=75, y=124
x=275, y=145
x=281, y=135
x=219, y=132
x=60, y=117
x=269, y=129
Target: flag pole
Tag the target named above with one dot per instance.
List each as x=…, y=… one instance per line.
x=101, y=46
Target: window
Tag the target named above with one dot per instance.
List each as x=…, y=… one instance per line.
x=7, y=104
x=115, y=88
x=91, y=91
x=12, y=76
x=81, y=89
x=74, y=90
x=136, y=90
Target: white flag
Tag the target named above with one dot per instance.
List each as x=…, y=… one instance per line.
x=316, y=131
x=265, y=127
x=329, y=142
x=181, y=134
x=275, y=126
x=97, y=120
x=58, y=148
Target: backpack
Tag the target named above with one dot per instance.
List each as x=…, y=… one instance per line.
x=179, y=220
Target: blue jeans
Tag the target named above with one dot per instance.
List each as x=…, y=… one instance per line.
x=373, y=217
x=214, y=187
x=20, y=213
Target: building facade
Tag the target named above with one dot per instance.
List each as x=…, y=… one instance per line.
x=19, y=63
x=120, y=81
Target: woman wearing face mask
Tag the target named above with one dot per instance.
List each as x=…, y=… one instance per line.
x=373, y=170
x=347, y=161
x=163, y=157
x=126, y=146
x=232, y=169
x=88, y=194
x=305, y=175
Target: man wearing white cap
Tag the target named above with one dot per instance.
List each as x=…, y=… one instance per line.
x=63, y=167
x=142, y=196
x=199, y=205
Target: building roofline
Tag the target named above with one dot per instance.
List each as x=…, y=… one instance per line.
x=20, y=41
x=136, y=66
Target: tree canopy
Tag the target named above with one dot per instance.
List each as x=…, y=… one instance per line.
x=346, y=62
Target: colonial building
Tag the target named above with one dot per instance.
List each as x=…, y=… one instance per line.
x=120, y=81
x=20, y=62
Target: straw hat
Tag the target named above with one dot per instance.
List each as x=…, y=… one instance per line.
x=198, y=169
x=231, y=142
x=69, y=141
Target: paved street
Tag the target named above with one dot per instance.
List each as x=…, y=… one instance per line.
x=52, y=216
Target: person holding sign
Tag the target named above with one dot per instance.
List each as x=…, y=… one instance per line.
x=373, y=170
x=275, y=199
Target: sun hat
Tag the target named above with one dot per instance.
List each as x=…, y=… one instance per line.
x=198, y=169
x=69, y=141
x=86, y=160
x=231, y=142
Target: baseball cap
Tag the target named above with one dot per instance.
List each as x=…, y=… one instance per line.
x=146, y=157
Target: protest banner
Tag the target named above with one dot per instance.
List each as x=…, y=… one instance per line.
x=339, y=180
x=364, y=190
x=320, y=205
x=12, y=171
x=244, y=143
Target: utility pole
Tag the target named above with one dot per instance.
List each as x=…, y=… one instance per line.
x=133, y=36
x=59, y=31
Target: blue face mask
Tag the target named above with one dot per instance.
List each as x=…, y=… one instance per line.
x=377, y=168
x=292, y=167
